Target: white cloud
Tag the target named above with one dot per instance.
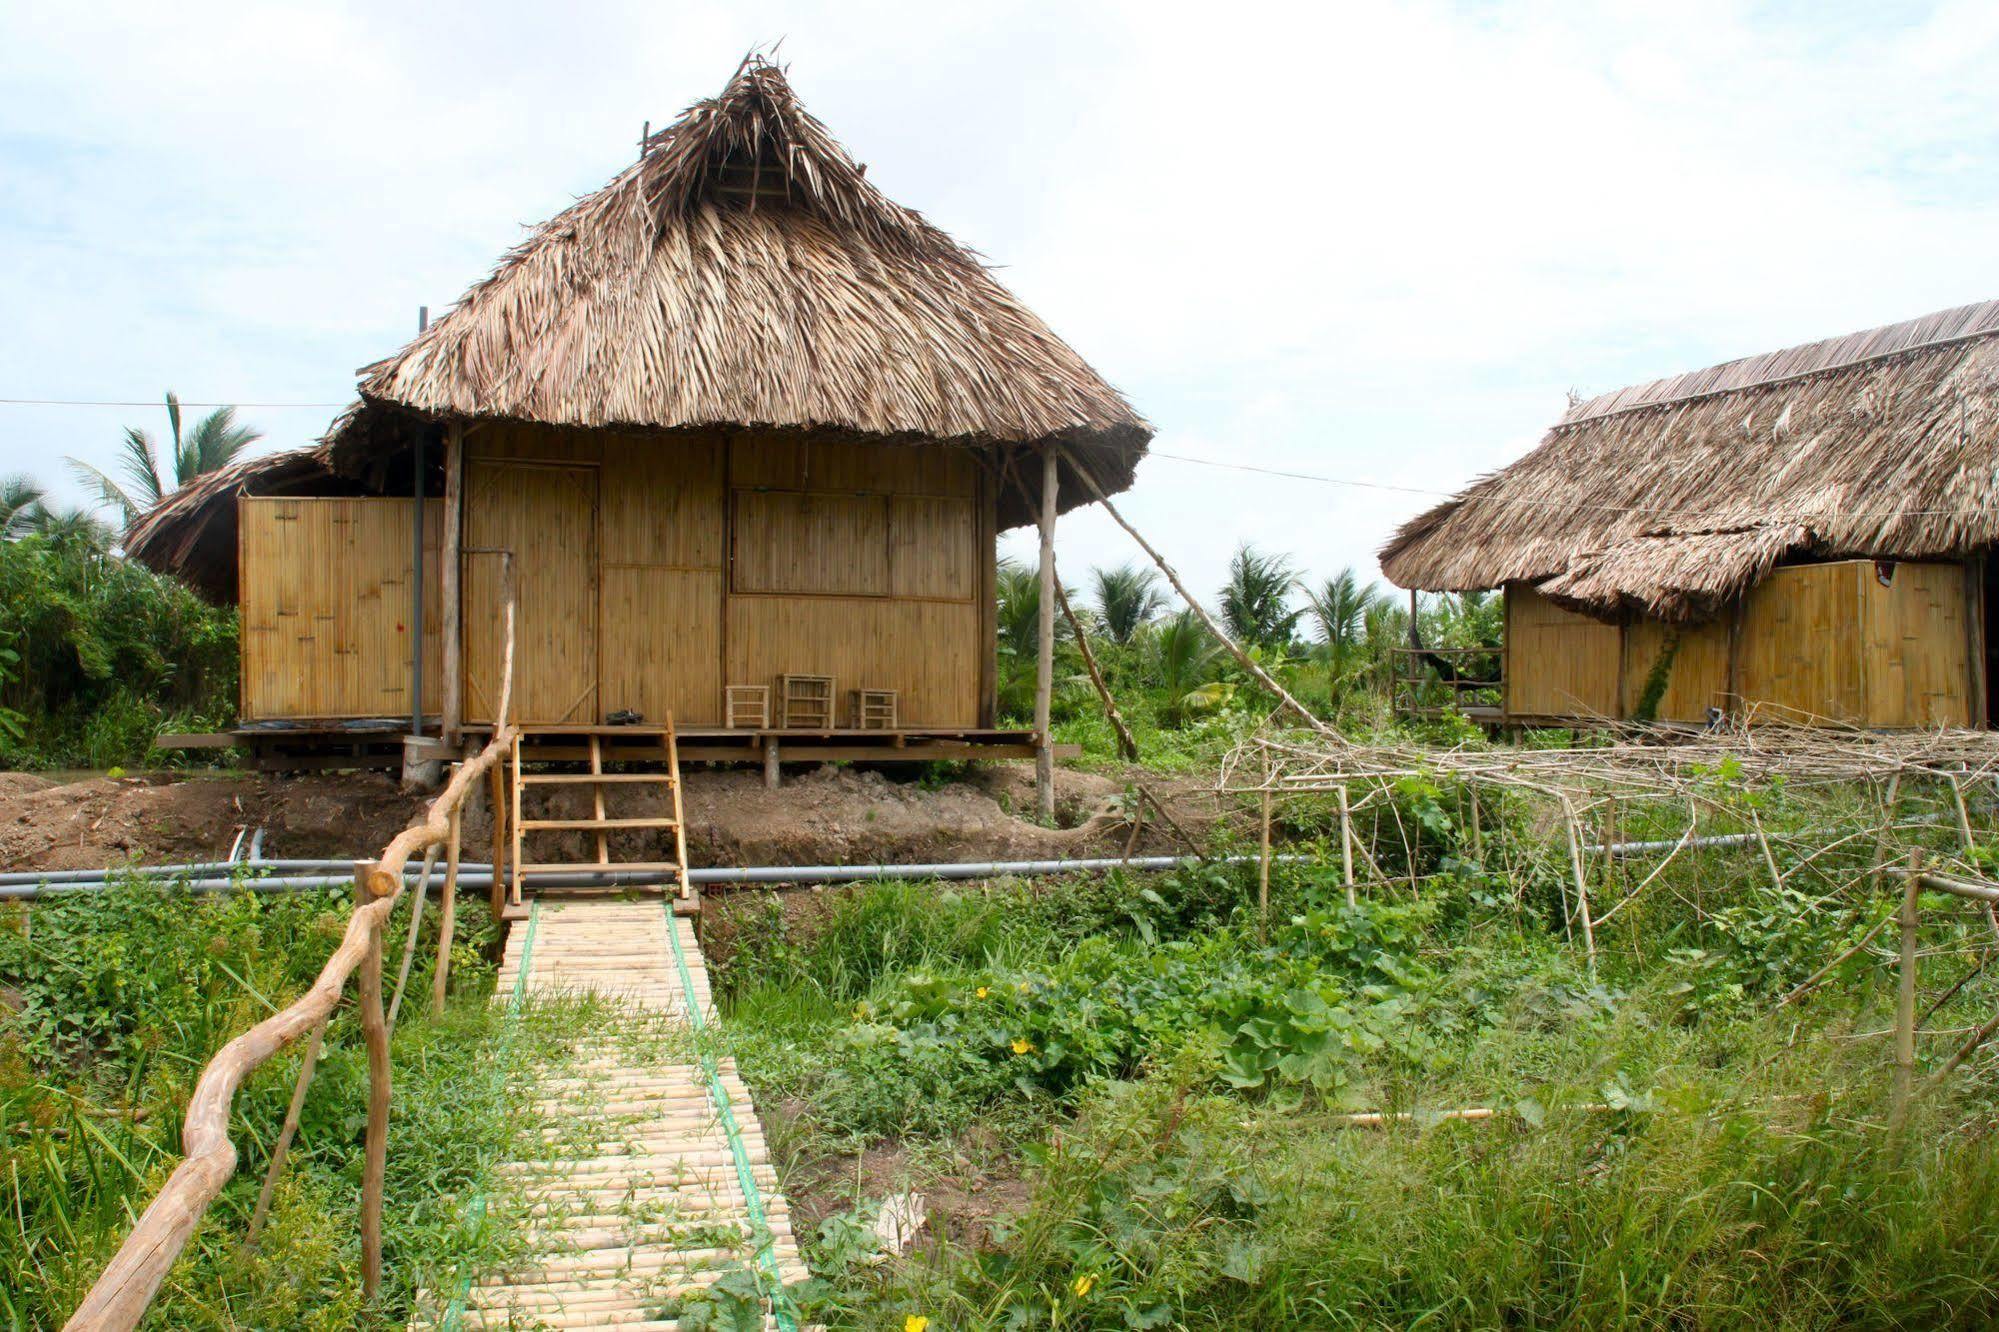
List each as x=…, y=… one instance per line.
x=1374, y=241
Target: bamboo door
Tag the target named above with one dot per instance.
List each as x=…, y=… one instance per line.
x=546, y=516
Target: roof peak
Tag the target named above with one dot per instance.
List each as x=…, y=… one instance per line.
x=1980, y=319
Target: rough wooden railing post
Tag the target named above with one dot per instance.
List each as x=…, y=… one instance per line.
x=288, y=1132
x=1263, y=873
x=1905, y=994
x=447, y=915
x=373, y=885
x=1346, y=846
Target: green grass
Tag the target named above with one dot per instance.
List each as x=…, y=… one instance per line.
x=125, y=996
x=1670, y=1149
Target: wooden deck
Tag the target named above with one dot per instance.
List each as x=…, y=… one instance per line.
x=656, y=1180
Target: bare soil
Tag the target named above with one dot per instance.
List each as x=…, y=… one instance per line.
x=967, y=1184
x=830, y=815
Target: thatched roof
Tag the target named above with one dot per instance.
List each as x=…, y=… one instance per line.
x=192, y=532
x=745, y=273
x=1673, y=497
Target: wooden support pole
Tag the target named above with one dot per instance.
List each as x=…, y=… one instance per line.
x=496, y=789
x=409, y=944
x=288, y=1132
x=1582, y=886
x=1263, y=874
x=375, y=1032
x=447, y=917
x=1346, y=846
x=1126, y=745
x=1044, y=657
x=1243, y=659
x=450, y=569
x=772, y=776
x=1905, y=993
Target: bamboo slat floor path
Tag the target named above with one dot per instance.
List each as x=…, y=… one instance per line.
x=656, y=1180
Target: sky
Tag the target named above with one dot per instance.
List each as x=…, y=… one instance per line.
x=1377, y=243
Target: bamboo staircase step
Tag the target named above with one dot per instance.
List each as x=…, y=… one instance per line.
x=599, y=823
x=596, y=778
x=583, y=825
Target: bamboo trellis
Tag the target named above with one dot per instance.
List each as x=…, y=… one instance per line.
x=129, y=1283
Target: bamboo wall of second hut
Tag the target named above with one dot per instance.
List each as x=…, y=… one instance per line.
x=1893, y=644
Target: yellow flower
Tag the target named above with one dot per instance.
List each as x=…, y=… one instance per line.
x=983, y=992
x=1025, y=988
x=1082, y=1285
x=1021, y=1045
x=915, y=1323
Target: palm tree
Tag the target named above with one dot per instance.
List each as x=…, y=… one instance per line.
x=1127, y=597
x=21, y=505
x=1183, y=656
x=1340, y=606
x=78, y=527
x=211, y=445
x=1254, y=599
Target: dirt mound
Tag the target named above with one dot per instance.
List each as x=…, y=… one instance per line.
x=161, y=819
x=826, y=816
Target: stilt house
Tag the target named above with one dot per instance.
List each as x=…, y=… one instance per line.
x=1801, y=536
x=735, y=421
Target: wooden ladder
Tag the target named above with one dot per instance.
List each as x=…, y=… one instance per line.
x=672, y=873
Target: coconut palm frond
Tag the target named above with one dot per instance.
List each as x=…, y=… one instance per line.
x=20, y=505
x=1256, y=599
x=1127, y=598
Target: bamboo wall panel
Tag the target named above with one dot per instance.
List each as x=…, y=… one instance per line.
x=1800, y=655
x=927, y=650
x=787, y=462
x=325, y=601
x=933, y=550
x=1917, y=643
x=1558, y=663
x=547, y=516
x=1699, y=676
x=817, y=542
x=662, y=643
x=521, y=441
x=663, y=502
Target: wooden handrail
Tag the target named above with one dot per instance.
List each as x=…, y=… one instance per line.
x=129, y=1283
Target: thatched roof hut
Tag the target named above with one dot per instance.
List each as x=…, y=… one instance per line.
x=1671, y=498
x=744, y=272
x=734, y=422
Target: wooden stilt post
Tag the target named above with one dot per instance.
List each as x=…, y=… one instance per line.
x=1044, y=658
x=1126, y=745
x=1905, y=993
x=450, y=613
x=772, y=776
x=496, y=787
x=375, y=1031
x=1346, y=845
x=447, y=918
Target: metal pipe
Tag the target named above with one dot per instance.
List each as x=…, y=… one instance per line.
x=719, y=876
x=198, y=868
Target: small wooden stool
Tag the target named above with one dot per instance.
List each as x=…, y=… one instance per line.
x=874, y=709
x=807, y=701
x=746, y=707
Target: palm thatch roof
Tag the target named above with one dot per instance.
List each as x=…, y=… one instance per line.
x=1672, y=498
x=745, y=273
x=192, y=532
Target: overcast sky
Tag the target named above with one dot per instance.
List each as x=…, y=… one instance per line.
x=1372, y=242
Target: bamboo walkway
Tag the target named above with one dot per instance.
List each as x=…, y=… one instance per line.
x=655, y=1181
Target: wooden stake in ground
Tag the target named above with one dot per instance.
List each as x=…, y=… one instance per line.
x=1878, y=873
x=1125, y=744
x=1905, y=994
x=447, y=918
x=375, y=1031
x=1263, y=875
x=1346, y=845
x=409, y=944
x=1582, y=886
x=1243, y=659
x=1044, y=659
x=287, y=1133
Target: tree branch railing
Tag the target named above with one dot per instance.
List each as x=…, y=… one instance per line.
x=130, y=1282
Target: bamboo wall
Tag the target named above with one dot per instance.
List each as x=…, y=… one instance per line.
x=1889, y=645
x=653, y=570
x=324, y=589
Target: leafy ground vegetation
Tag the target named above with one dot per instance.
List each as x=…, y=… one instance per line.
x=1132, y=1103
x=112, y=1005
